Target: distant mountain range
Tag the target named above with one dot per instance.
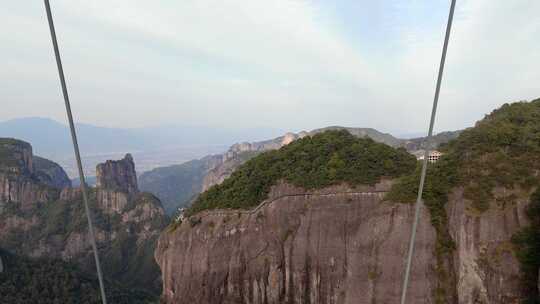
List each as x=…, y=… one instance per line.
x=152, y=146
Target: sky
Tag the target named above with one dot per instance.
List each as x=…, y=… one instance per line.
x=293, y=65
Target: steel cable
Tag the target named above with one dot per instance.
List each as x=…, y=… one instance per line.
x=419, y=201
x=76, y=149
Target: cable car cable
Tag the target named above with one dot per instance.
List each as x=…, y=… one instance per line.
x=76, y=149
x=419, y=201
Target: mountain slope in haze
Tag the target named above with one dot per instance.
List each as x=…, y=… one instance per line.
x=419, y=143
x=177, y=185
x=51, y=173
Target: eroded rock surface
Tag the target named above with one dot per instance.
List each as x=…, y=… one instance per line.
x=335, y=245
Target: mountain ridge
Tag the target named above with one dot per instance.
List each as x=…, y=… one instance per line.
x=222, y=165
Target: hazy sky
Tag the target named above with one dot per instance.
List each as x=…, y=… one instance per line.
x=287, y=64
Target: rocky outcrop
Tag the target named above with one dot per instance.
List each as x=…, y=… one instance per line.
x=335, y=245
x=38, y=220
x=27, y=179
x=15, y=156
x=338, y=245
x=119, y=175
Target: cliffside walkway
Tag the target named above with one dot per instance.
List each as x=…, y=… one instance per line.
x=225, y=212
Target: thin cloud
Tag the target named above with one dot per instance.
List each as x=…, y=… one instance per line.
x=268, y=63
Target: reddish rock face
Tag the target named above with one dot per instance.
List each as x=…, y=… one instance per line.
x=118, y=175
x=336, y=245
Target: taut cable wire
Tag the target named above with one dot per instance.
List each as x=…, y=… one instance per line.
x=419, y=201
x=76, y=149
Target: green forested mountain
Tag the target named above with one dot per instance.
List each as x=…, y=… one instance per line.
x=317, y=161
x=502, y=150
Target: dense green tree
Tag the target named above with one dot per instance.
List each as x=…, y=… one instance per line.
x=51, y=281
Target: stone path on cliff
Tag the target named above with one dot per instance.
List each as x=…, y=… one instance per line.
x=225, y=212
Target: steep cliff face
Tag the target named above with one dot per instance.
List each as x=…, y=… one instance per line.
x=334, y=245
x=338, y=245
x=17, y=179
x=485, y=265
x=38, y=220
x=25, y=190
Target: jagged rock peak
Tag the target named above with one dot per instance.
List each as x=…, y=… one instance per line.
x=118, y=174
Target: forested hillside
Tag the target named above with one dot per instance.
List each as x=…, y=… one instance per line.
x=50, y=281
x=317, y=161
